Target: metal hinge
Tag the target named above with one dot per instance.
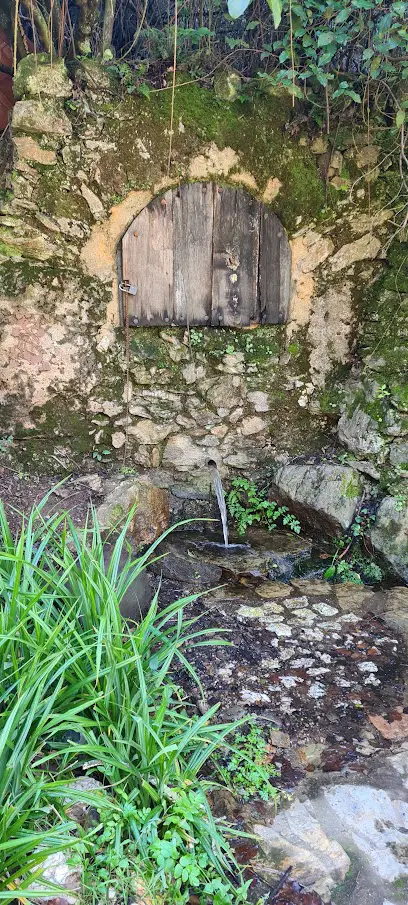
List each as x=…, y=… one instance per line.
x=125, y=286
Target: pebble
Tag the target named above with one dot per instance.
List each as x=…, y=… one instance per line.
x=317, y=690
x=368, y=666
x=280, y=629
x=324, y=609
x=290, y=681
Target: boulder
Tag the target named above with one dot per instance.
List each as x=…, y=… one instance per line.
x=389, y=535
x=359, y=433
x=37, y=76
x=139, y=595
x=152, y=515
x=324, y=496
x=37, y=117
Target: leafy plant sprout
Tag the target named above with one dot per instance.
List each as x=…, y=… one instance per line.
x=352, y=561
x=248, y=506
x=247, y=767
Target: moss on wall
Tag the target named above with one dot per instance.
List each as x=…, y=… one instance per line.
x=383, y=339
x=139, y=128
x=120, y=145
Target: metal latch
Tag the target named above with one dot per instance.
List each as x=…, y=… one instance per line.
x=125, y=286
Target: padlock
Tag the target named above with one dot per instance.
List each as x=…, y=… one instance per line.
x=125, y=286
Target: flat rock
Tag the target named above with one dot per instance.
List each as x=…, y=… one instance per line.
x=376, y=824
x=186, y=569
x=297, y=839
x=351, y=597
x=269, y=590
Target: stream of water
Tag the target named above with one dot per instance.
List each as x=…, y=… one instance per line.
x=219, y=492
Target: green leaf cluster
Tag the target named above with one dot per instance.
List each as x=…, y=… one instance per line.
x=248, y=767
x=338, y=46
x=248, y=506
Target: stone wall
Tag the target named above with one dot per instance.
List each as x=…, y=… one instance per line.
x=82, y=165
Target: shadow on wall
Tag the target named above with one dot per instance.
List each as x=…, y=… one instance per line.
x=6, y=81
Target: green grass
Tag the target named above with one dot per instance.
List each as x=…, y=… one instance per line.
x=83, y=692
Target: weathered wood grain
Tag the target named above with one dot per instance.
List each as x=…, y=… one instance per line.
x=274, y=270
x=235, y=258
x=206, y=254
x=147, y=254
x=193, y=214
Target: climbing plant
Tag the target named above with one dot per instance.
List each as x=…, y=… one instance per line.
x=341, y=45
x=328, y=52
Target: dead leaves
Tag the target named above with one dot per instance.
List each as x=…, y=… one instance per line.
x=396, y=731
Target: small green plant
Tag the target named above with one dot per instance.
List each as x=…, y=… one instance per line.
x=196, y=337
x=6, y=443
x=128, y=470
x=248, y=505
x=101, y=455
x=383, y=391
x=350, y=563
x=248, y=768
x=343, y=571
x=361, y=524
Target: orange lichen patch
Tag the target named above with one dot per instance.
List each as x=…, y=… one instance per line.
x=213, y=162
x=309, y=251
x=244, y=178
x=273, y=187
x=98, y=255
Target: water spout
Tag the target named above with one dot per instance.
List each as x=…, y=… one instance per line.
x=219, y=492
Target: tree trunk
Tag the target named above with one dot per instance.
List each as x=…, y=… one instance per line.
x=108, y=23
x=40, y=23
x=88, y=10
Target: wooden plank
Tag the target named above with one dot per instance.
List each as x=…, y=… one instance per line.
x=147, y=254
x=235, y=258
x=274, y=270
x=193, y=216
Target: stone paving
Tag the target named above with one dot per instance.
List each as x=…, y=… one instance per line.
x=322, y=668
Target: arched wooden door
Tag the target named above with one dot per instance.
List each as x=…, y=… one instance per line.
x=204, y=254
